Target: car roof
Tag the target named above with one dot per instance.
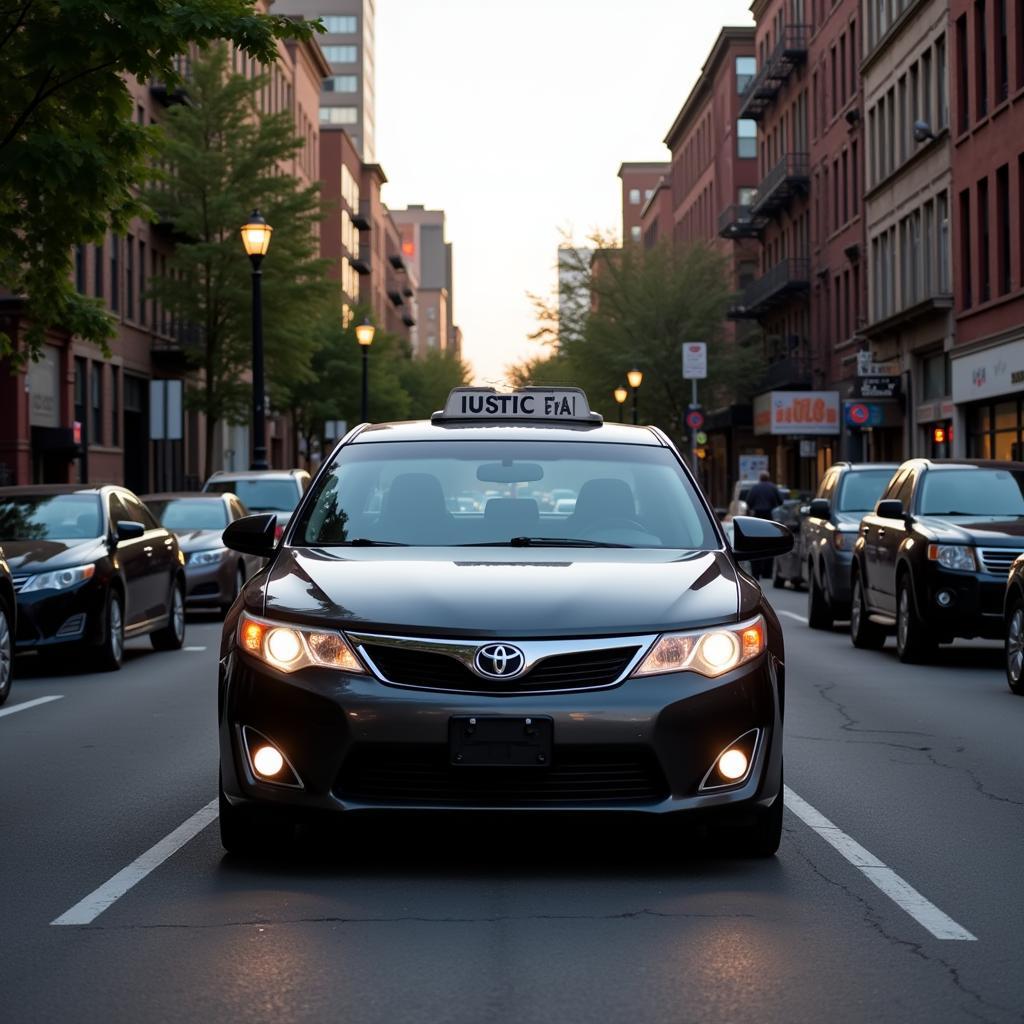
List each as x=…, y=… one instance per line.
x=966, y=464
x=190, y=495
x=859, y=467
x=248, y=474
x=44, y=490
x=469, y=430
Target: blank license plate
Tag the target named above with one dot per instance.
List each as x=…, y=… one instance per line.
x=500, y=742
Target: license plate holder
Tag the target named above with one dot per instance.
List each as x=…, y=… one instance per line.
x=491, y=742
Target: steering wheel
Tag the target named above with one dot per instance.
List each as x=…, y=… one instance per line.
x=619, y=523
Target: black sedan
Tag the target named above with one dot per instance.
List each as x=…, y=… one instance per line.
x=1013, y=620
x=396, y=654
x=8, y=625
x=931, y=561
x=91, y=567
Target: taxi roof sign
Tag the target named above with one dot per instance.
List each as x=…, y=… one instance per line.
x=530, y=404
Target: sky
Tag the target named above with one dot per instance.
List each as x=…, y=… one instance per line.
x=514, y=117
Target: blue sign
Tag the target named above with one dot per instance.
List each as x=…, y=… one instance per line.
x=864, y=414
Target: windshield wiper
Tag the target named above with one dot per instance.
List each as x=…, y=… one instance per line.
x=957, y=512
x=544, y=542
x=365, y=542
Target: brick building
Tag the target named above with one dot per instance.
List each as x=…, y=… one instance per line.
x=639, y=180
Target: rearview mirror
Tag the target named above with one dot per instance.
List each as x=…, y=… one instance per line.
x=129, y=530
x=253, y=535
x=510, y=472
x=821, y=508
x=891, y=508
x=760, y=538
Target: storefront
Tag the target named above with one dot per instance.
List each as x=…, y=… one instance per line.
x=988, y=391
x=804, y=427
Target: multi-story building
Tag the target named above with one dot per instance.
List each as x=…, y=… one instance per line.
x=987, y=91
x=639, y=180
x=907, y=204
x=348, y=97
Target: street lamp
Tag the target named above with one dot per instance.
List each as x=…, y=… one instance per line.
x=364, y=335
x=621, y=394
x=635, y=378
x=256, y=239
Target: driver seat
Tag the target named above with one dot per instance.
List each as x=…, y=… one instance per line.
x=602, y=501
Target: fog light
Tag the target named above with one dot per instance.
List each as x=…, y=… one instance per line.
x=732, y=764
x=268, y=761
x=944, y=598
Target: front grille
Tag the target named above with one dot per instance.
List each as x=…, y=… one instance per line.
x=20, y=580
x=997, y=561
x=429, y=670
x=578, y=775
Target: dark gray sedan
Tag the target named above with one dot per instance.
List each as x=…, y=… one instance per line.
x=214, y=575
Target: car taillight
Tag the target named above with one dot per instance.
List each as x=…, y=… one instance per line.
x=278, y=532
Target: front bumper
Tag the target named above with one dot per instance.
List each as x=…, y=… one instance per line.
x=51, y=618
x=360, y=745
x=975, y=607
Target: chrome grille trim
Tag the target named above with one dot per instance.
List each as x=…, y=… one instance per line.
x=19, y=580
x=997, y=561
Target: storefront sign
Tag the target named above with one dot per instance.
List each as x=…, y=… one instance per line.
x=878, y=387
x=752, y=466
x=44, y=389
x=988, y=373
x=867, y=368
x=868, y=415
x=797, y=412
x=943, y=409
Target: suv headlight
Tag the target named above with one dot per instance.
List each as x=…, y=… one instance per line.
x=211, y=557
x=290, y=648
x=711, y=653
x=953, y=556
x=59, y=579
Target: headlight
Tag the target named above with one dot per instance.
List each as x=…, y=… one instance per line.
x=60, y=579
x=711, y=653
x=289, y=648
x=211, y=557
x=953, y=556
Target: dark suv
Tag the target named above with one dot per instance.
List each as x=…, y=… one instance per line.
x=8, y=628
x=931, y=561
x=847, y=492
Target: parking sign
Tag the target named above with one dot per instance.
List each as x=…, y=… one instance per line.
x=695, y=360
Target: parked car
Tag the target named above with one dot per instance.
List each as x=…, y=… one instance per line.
x=91, y=568
x=214, y=576
x=263, y=490
x=932, y=560
x=788, y=568
x=848, y=491
x=1013, y=618
x=8, y=627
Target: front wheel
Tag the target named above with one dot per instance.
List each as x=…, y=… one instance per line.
x=6, y=655
x=762, y=838
x=913, y=644
x=111, y=651
x=1015, y=648
x=172, y=636
x=819, y=612
x=864, y=633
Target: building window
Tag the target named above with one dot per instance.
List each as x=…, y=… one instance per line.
x=129, y=277
x=1003, y=229
x=339, y=115
x=635, y=233
x=966, y=298
x=925, y=99
x=98, y=268
x=634, y=197
x=97, y=403
x=341, y=54
x=962, y=77
x=746, y=139
x=942, y=218
x=934, y=377
x=984, y=261
x=1002, y=52
x=115, y=270
x=341, y=83
x=746, y=196
x=340, y=24
x=746, y=68
x=942, y=101
x=981, y=57
x=115, y=406
x=142, y=282
x=80, y=268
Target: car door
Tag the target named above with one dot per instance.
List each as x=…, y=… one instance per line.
x=161, y=556
x=890, y=536
x=815, y=528
x=873, y=532
x=132, y=557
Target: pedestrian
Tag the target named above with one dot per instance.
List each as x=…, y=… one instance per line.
x=762, y=499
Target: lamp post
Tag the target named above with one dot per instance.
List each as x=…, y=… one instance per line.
x=635, y=379
x=621, y=394
x=364, y=335
x=256, y=239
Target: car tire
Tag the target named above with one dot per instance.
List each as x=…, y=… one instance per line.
x=6, y=654
x=247, y=835
x=819, y=611
x=913, y=642
x=239, y=583
x=172, y=636
x=762, y=838
x=778, y=583
x=111, y=652
x=1014, y=647
x=864, y=634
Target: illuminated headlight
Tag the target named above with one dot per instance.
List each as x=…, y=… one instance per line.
x=953, y=556
x=290, y=648
x=711, y=653
x=60, y=579
x=211, y=557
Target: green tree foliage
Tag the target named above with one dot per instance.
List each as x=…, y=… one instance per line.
x=221, y=161
x=70, y=154
x=644, y=305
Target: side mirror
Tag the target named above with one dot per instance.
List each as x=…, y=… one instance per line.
x=821, y=508
x=754, y=539
x=891, y=508
x=126, y=529
x=253, y=535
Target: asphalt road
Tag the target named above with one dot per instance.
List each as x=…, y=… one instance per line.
x=919, y=772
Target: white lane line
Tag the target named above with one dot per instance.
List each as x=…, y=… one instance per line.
x=29, y=704
x=87, y=910
x=791, y=615
x=195, y=648
x=901, y=892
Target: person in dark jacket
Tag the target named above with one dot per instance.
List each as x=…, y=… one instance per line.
x=762, y=499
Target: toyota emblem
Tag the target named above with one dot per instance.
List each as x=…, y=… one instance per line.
x=499, y=661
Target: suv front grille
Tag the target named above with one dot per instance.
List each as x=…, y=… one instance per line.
x=578, y=775
x=579, y=670
x=997, y=561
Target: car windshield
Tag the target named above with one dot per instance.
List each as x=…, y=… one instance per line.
x=972, y=492
x=190, y=513
x=407, y=494
x=51, y=517
x=259, y=495
x=862, y=489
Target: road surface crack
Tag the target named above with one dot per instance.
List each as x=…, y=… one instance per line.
x=975, y=780
x=851, y=724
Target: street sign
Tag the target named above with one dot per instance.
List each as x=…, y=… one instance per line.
x=702, y=438
x=695, y=360
x=858, y=414
x=878, y=387
x=695, y=419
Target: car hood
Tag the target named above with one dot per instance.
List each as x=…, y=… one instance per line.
x=990, y=531
x=505, y=593
x=44, y=555
x=199, y=540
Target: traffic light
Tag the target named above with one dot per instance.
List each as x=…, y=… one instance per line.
x=939, y=435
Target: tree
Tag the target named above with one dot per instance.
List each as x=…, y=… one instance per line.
x=71, y=156
x=223, y=159
x=429, y=378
